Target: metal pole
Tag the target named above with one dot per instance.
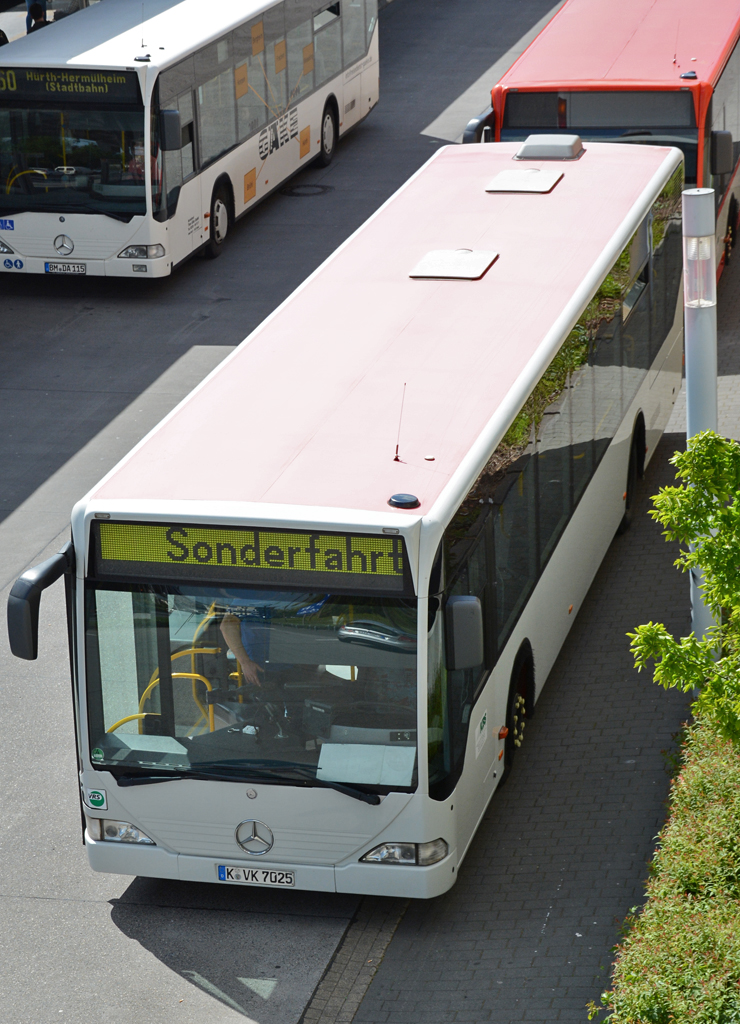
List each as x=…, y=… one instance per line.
x=700, y=340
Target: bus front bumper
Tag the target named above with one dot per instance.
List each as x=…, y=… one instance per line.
x=114, y=267
x=368, y=879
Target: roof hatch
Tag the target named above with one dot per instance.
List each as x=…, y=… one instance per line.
x=454, y=264
x=550, y=147
x=526, y=179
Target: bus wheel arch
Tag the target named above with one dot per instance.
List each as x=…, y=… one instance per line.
x=635, y=472
x=329, y=132
x=519, y=703
x=221, y=216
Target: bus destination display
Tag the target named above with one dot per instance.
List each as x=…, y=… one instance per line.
x=60, y=83
x=259, y=555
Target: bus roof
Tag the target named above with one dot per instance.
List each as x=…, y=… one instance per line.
x=111, y=34
x=307, y=410
x=597, y=44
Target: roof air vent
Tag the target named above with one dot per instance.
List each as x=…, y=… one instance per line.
x=525, y=179
x=550, y=147
x=454, y=264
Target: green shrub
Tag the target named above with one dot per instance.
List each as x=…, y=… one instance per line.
x=679, y=960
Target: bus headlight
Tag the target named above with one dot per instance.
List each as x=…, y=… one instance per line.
x=142, y=252
x=116, y=832
x=5, y=249
x=422, y=854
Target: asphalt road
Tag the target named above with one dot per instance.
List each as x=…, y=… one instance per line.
x=87, y=366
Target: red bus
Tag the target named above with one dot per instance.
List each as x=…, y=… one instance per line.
x=661, y=72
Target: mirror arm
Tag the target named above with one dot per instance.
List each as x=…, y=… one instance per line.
x=25, y=597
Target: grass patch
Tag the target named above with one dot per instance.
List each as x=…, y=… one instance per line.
x=679, y=960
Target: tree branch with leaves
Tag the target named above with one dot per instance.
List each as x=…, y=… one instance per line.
x=702, y=513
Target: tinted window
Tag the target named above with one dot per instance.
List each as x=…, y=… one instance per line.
x=601, y=109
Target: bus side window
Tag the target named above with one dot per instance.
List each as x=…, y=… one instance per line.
x=515, y=537
x=667, y=262
x=327, y=43
x=274, y=60
x=635, y=285
x=250, y=79
x=187, y=131
x=353, y=30
x=371, y=17
x=299, y=26
x=214, y=77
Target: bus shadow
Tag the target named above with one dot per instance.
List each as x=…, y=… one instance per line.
x=257, y=951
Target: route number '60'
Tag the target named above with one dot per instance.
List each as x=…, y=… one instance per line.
x=7, y=81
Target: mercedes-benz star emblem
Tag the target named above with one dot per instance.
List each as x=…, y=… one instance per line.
x=254, y=837
x=64, y=245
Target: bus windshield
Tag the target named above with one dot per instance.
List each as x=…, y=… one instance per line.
x=262, y=684
x=69, y=160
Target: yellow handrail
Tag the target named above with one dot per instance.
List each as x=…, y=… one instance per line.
x=132, y=718
x=196, y=677
x=20, y=174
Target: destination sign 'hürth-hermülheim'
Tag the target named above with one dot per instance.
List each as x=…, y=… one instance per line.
x=186, y=551
x=95, y=86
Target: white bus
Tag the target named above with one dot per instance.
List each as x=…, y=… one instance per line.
x=312, y=610
x=128, y=145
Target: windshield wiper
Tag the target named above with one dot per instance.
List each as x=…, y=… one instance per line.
x=248, y=773
x=270, y=769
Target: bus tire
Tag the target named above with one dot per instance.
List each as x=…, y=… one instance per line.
x=329, y=136
x=519, y=705
x=633, y=472
x=219, y=223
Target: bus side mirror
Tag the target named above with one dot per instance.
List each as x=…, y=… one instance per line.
x=722, y=157
x=169, y=130
x=24, y=599
x=464, y=618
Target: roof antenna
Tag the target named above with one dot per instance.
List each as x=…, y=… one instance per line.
x=142, y=24
x=403, y=399
x=675, y=54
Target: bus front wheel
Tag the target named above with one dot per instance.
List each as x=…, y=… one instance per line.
x=329, y=135
x=519, y=706
x=219, y=222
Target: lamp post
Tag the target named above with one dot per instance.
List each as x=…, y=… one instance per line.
x=700, y=341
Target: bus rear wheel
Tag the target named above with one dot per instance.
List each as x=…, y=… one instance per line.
x=329, y=134
x=219, y=223
x=729, y=238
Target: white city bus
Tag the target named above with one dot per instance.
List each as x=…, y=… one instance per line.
x=126, y=145
x=312, y=610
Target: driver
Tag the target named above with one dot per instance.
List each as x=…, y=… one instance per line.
x=246, y=639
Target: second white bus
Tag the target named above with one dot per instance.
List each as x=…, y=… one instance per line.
x=128, y=145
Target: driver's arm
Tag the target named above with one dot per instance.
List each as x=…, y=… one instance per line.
x=231, y=630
